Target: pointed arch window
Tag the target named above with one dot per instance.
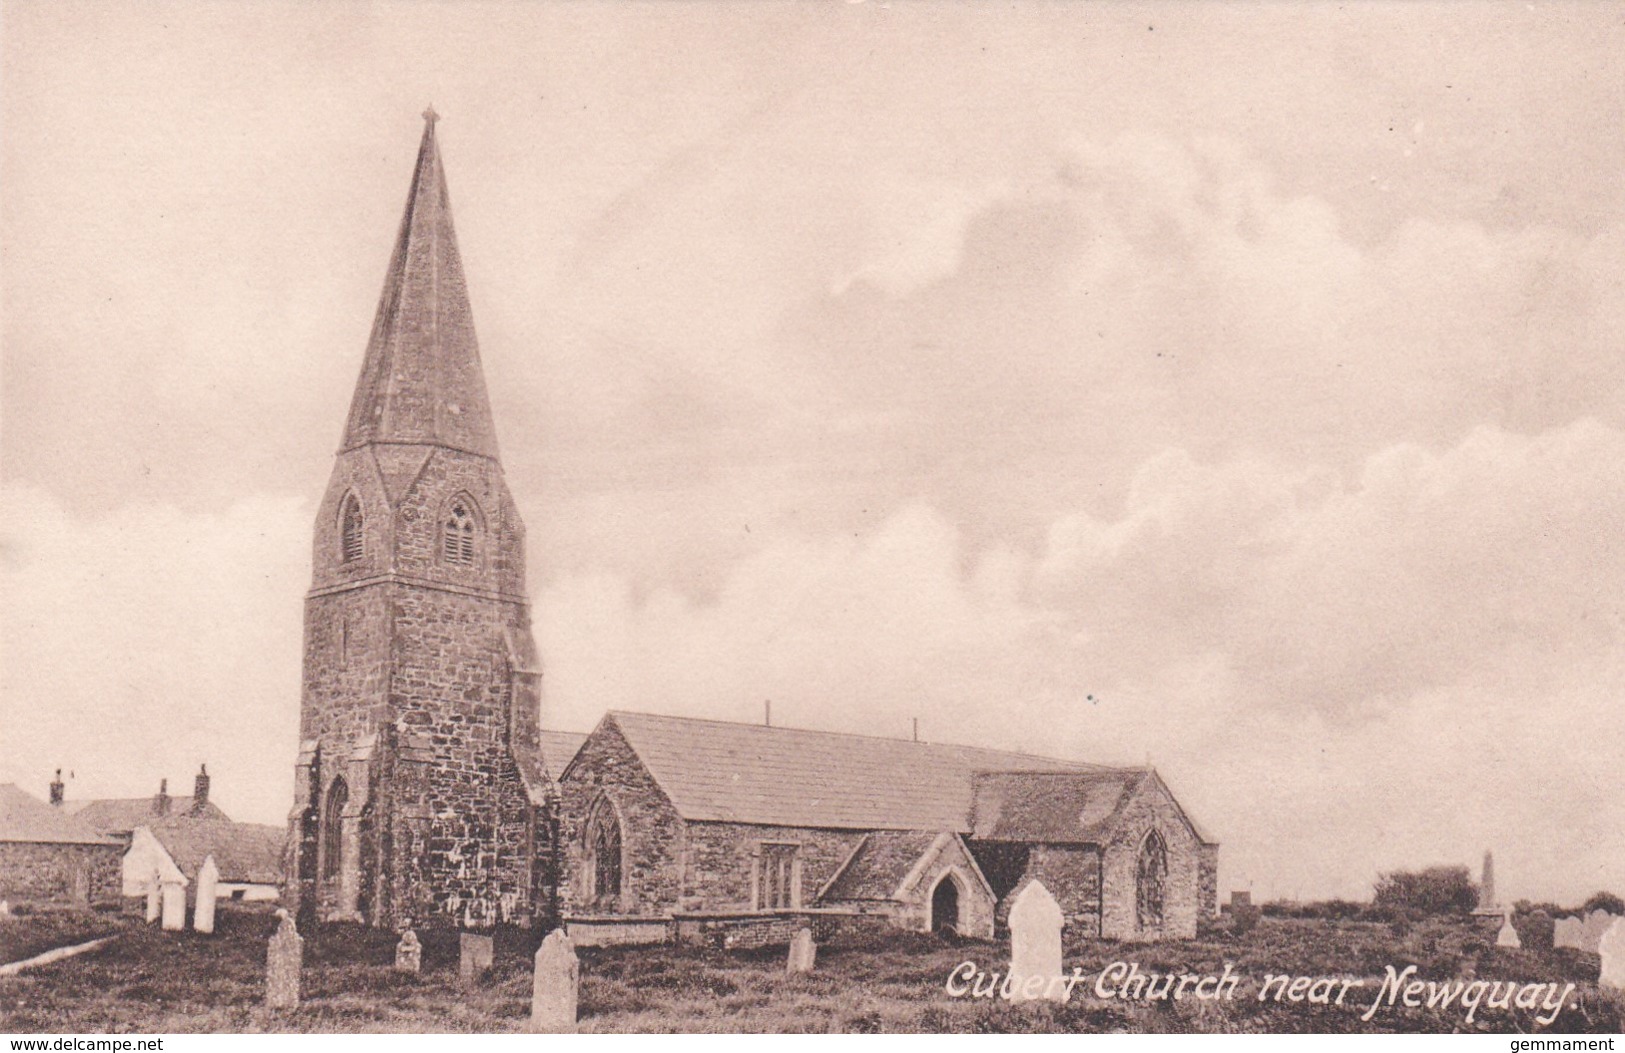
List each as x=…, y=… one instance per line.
x=604, y=856
x=1151, y=878
x=351, y=535
x=458, y=534
x=338, y=796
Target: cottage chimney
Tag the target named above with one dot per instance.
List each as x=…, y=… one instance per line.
x=160, y=803
x=200, y=789
x=57, y=789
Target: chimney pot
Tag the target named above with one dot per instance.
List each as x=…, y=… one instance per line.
x=160, y=803
x=57, y=789
x=200, y=790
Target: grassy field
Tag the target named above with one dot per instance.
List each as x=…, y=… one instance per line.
x=150, y=982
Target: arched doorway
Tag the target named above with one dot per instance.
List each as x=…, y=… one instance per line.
x=945, y=906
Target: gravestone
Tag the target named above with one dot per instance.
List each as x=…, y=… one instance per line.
x=155, y=893
x=174, y=915
x=1612, y=949
x=5, y=908
x=555, y=985
x=284, y=960
x=1508, y=936
x=208, y=887
x=1591, y=930
x=409, y=953
x=1035, y=946
x=803, y=951
x=1566, y=932
x=476, y=953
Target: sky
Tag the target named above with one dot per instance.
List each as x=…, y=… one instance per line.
x=1236, y=388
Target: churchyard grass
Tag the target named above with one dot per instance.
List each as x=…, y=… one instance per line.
x=149, y=981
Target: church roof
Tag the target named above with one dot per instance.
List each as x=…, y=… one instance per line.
x=421, y=380
x=1058, y=807
x=560, y=747
x=120, y=815
x=879, y=864
x=244, y=853
x=752, y=773
x=24, y=817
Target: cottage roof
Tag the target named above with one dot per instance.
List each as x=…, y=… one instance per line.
x=1057, y=807
x=24, y=817
x=245, y=853
x=120, y=815
x=752, y=773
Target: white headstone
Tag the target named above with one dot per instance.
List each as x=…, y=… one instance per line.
x=155, y=893
x=1612, y=949
x=1508, y=936
x=1566, y=932
x=1596, y=923
x=284, y=961
x=174, y=896
x=208, y=887
x=556, y=984
x=1035, y=946
x=803, y=952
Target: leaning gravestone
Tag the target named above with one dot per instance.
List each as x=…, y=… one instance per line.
x=284, y=959
x=1035, y=946
x=1566, y=932
x=208, y=887
x=1612, y=949
x=155, y=893
x=556, y=984
x=476, y=952
x=803, y=951
x=409, y=953
x=174, y=919
x=1591, y=932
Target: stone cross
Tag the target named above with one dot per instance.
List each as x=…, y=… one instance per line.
x=475, y=954
x=208, y=887
x=802, y=952
x=556, y=984
x=409, y=953
x=1612, y=949
x=1035, y=946
x=284, y=960
x=155, y=892
x=1508, y=936
x=1591, y=930
x=1566, y=932
x=174, y=916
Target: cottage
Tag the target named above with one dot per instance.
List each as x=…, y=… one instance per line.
x=120, y=816
x=676, y=825
x=248, y=856
x=47, y=856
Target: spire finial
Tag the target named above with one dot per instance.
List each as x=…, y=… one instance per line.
x=431, y=116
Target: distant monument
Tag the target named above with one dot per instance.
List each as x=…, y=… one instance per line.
x=1487, y=905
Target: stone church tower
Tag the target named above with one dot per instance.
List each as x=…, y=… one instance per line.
x=420, y=788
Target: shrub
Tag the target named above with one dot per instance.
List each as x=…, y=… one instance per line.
x=1605, y=901
x=1436, y=890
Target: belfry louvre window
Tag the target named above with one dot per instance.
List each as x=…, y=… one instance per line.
x=457, y=541
x=350, y=530
x=775, y=887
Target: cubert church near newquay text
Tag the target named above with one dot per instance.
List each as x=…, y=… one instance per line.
x=426, y=790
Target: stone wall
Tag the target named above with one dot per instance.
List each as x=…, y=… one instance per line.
x=652, y=833
x=1208, y=880
x=1152, y=807
x=1072, y=875
x=35, y=872
x=720, y=871
x=948, y=860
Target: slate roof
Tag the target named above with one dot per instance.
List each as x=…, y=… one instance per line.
x=421, y=381
x=246, y=853
x=751, y=773
x=1059, y=808
x=560, y=747
x=882, y=860
x=121, y=815
x=24, y=817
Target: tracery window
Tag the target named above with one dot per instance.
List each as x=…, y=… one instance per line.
x=1151, y=878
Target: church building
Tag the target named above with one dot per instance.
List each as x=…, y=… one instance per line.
x=421, y=790
x=426, y=791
